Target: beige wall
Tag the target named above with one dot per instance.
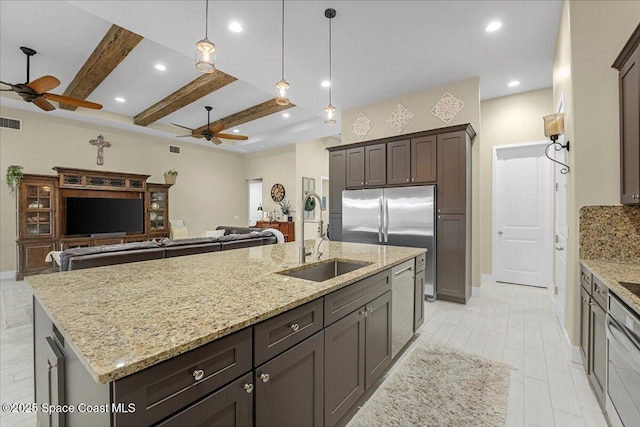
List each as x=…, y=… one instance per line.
x=506, y=120
x=591, y=35
x=420, y=104
x=210, y=189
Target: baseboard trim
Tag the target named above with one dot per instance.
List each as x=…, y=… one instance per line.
x=476, y=291
x=4, y=275
x=573, y=352
x=488, y=278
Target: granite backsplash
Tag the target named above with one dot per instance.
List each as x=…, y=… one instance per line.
x=610, y=233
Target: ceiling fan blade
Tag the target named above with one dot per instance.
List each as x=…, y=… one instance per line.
x=230, y=136
x=6, y=84
x=72, y=101
x=183, y=127
x=44, y=84
x=216, y=140
x=43, y=103
x=216, y=128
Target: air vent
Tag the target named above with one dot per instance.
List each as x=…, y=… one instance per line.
x=174, y=149
x=8, y=123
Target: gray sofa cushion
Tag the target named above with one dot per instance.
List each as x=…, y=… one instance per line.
x=109, y=258
x=65, y=256
x=188, y=242
x=234, y=229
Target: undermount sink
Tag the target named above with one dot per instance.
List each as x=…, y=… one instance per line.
x=319, y=272
x=634, y=288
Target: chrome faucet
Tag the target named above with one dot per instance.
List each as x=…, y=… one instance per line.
x=302, y=250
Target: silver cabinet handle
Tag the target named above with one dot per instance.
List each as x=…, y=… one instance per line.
x=248, y=388
x=366, y=183
x=264, y=377
x=198, y=374
x=413, y=179
x=363, y=312
x=599, y=291
x=407, y=179
x=370, y=310
x=295, y=327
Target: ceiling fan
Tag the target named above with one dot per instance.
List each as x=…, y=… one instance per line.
x=36, y=91
x=211, y=133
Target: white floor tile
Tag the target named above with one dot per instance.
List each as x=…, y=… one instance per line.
x=593, y=418
x=563, y=394
x=534, y=364
x=532, y=338
x=537, y=403
x=515, y=405
x=565, y=419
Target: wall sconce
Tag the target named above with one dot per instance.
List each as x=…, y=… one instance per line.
x=553, y=128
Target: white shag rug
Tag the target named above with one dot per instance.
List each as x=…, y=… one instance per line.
x=437, y=386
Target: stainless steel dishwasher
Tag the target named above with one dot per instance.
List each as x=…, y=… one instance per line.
x=623, y=379
x=402, y=295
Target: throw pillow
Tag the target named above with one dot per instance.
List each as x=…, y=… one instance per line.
x=179, y=233
x=214, y=233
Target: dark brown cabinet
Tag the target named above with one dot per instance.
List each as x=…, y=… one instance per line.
x=289, y=389
x=158, y=210
x=338, y=181
x=412, y=161
x=628, y=64
x=399, y=162
x=357, y=351
x=593, y=345
x=355, y=167
x=335, y=227
x=454, y=173
x=453, y=273
x=232, y=406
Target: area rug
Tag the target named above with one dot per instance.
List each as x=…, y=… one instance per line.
x=437, y=386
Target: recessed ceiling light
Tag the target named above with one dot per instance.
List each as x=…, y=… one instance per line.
x=493, y=26
x=286, y=115
x=160, y=67
x=325, y=83
x=236, y=131
x=514, y=83
x=235, y=27
x=119, y=99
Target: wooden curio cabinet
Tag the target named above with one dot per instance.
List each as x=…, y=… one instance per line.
x=158, y=217
x=37, y=207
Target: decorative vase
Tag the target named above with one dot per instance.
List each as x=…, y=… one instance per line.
x=290, y=218
x=169, y=178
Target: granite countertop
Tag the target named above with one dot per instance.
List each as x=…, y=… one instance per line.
x=123, y=318
x=612, y=272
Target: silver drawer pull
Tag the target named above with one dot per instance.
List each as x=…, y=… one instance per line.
x=198, y=374
x=264, y=377
x=370, y=310
x=363, y=312
x=248, y=388
x=295, y=327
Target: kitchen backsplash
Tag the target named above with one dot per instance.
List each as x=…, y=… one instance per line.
x=610, y=233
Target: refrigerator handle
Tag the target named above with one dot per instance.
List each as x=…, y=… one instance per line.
x=386, y=220
x=380, y=215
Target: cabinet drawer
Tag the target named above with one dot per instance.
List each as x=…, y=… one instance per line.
x=343, y=301
x=420, y=262
x=585, y=278
x=163, y=389
x=275, y=335
x=599, y=292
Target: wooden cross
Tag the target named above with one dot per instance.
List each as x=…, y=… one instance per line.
x=100, y=143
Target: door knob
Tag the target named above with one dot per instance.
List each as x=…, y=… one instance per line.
x=248, y=388
x=295, y=327
x=264, y=377
x=559, y=248
x=198, y=374
x=500, y=232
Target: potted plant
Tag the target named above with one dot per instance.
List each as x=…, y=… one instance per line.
x=285, y=207
x=13, y=177
x=170, y=176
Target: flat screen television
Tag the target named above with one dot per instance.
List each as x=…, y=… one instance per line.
x=86, y=215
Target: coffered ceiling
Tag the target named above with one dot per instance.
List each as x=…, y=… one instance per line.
x=381, y=49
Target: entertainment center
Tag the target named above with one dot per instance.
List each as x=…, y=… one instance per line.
x=79, y=208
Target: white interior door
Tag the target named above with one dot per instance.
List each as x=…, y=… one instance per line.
x=255, y=200
x=522, y=211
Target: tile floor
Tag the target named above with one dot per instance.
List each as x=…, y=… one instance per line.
x=509, y=323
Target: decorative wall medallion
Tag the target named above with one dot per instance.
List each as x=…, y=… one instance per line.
x=101, y=144
x=447, y=108
x=362, y=125
x=400, y=118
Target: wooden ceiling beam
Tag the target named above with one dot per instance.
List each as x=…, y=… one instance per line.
x=112, y=49
x=250, y=114
x=202, y=86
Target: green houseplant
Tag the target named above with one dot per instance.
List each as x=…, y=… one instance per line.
x=170, y=176
x=285, y=207
x=13, y=177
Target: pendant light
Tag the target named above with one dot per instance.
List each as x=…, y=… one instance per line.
x=205, y=49
x=330, y=110
x=282, y=87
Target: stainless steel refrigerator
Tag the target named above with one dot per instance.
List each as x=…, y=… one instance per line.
x=401, y=216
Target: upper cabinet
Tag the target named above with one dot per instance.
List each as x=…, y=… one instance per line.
x=366, y=166
x=337, y=183
x=37, y=205
x=454, y=175
x=412, y=161
x=158, y=218
x=628, y=64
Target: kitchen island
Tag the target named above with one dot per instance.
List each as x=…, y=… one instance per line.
x=176, y=336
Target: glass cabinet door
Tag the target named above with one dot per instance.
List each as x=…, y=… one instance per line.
x=158, y=211
x=39, y=210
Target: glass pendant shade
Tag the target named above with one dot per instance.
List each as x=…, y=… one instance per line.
x=282, y=92
x=206, y=56
x=330, y=115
